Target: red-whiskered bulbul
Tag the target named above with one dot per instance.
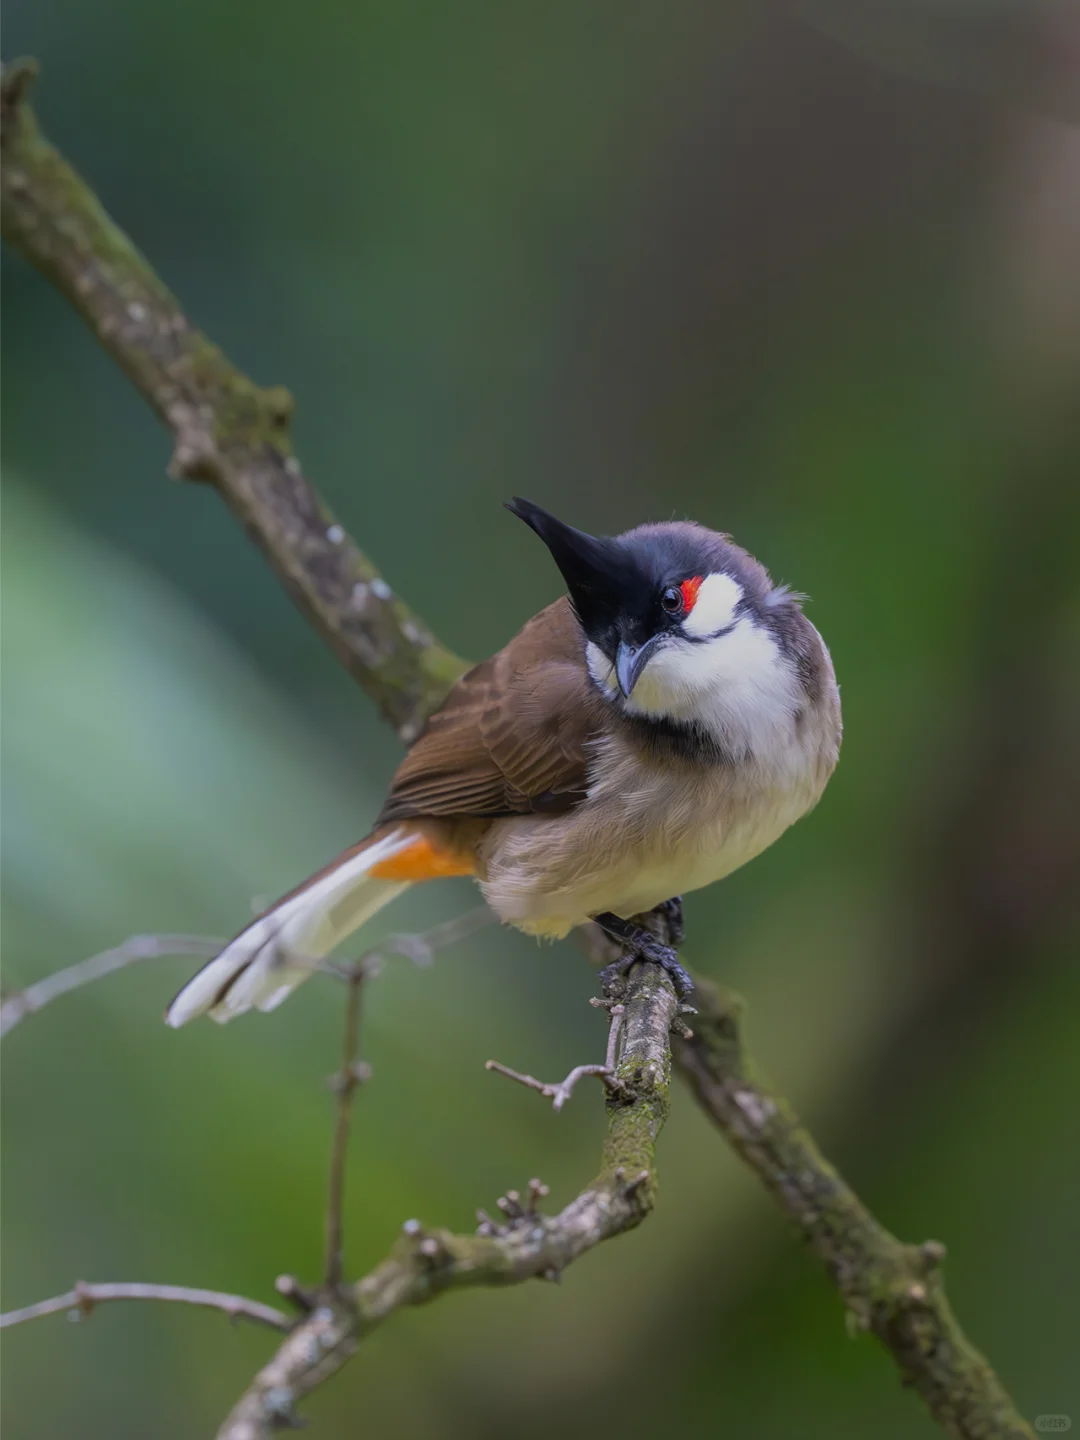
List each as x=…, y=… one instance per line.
x=641, y=737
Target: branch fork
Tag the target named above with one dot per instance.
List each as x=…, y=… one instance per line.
x=559, y=1092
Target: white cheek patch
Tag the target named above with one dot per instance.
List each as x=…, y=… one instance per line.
x=738, y=686
x=714, y=608
x=600, y=668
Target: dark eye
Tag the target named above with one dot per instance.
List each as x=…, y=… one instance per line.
x=672, y=600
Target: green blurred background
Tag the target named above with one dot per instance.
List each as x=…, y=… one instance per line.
x=810, y=274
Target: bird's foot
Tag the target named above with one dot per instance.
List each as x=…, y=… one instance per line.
x=638, y=944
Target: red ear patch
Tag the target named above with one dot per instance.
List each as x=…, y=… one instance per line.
x=690, y=590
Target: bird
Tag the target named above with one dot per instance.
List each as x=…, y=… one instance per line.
x=655, y=728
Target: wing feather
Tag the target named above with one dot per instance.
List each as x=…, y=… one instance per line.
x=513, y=735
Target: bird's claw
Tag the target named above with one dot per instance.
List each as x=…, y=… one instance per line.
x=647, y=947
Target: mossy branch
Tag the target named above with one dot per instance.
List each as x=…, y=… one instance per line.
x=892, y=1289
x=226, y=430
x=229, y=432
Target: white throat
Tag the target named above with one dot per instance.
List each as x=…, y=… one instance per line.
x=738, y=686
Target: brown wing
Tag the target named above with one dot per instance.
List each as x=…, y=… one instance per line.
x=511, y=737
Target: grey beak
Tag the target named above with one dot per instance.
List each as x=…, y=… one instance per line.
x=630, y=662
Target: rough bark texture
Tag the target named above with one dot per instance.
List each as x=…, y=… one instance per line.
x=231, y=433
x=890, y=1288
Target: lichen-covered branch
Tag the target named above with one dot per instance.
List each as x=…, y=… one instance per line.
x=425, y=1263
x=226, y=430
x=234, y=435
x=892, y=1289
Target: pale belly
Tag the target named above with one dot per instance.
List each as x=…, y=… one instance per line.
x=545, y=878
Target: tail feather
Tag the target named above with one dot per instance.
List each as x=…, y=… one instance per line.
x=279, y=950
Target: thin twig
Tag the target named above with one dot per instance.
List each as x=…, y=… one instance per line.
x=558, y=1093
x=346, y=1083
x=20, y=1003
x=421, y=948
x=84, y=1298
x=426, y=1263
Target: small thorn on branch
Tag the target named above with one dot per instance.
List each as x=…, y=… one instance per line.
x=485, y=1224
x=516, y=1210
x=510, y=1205
x=537, y=1191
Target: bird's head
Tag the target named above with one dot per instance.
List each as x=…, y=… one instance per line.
x=680, y=623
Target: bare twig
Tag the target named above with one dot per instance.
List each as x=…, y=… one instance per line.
x=234, y=435
x=21, y=1003
x=421, y=948
x=560, y=1092
x=425, y=1263
x=346, y=1083
x=85, y=1298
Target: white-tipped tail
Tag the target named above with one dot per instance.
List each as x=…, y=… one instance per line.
x=277, y=952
